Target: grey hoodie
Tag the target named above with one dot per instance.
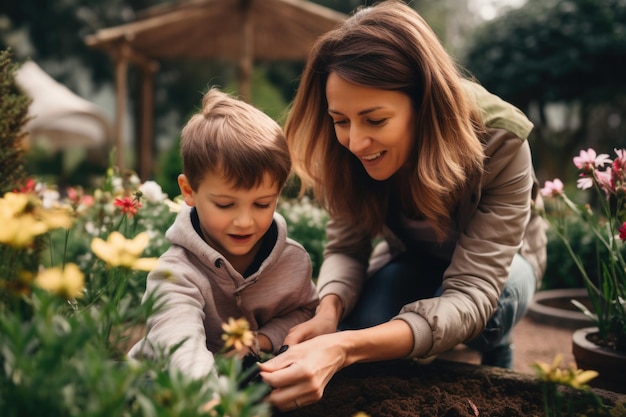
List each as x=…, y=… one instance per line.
x=201, y=290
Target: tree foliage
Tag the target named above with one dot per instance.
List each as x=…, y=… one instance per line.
x=558, y=57
x=551, y=50
x=13, y=111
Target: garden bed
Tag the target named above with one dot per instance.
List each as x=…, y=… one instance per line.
x=442, y=388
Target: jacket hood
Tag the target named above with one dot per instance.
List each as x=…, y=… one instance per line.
x=182, y=233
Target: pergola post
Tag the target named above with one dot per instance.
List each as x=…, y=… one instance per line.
x=247, y=52
x=121, y=78
x=146, y=128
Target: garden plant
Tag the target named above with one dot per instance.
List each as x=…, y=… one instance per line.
x=72, y=270
x=607, y=226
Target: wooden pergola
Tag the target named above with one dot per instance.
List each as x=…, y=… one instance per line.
x=240, y=31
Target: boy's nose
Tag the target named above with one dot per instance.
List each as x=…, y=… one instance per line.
x=243, y=219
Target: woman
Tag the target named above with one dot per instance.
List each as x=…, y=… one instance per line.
x=396, y=144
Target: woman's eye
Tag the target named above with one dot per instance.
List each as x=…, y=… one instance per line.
x=339, y=122
x=378, y=122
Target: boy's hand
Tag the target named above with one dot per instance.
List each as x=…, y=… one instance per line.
x=316, y=326
x=325, y=321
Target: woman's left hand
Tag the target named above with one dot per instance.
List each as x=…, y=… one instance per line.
x=300, y=374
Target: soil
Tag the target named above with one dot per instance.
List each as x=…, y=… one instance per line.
x=454, y=385
x=442, y=388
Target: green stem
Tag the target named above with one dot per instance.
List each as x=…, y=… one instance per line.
x=65, y=245
x=50, y=250
x=112, y=306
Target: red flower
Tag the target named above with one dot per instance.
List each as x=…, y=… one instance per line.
x=28, y=187
x=128, y=205
x=622, y=231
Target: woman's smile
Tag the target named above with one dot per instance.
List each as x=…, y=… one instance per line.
x=373, y=156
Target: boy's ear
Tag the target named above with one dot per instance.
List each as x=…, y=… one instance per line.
x=185, y=189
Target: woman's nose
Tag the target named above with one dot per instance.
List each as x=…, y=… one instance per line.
x=359, y=140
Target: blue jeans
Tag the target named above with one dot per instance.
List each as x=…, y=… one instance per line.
x=412, y=277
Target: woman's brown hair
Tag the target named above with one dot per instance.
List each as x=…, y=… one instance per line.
x=387, y=46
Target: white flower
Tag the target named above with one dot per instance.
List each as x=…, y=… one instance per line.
x=152, y=191
x=50, y=198
x=134, y=180
x=118, y=184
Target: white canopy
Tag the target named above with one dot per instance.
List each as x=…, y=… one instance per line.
x=58, y=118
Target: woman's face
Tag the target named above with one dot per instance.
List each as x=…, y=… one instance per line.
x=376, y=125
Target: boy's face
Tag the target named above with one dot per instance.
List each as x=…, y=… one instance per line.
x=233, y=220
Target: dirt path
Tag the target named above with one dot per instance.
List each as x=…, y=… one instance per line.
x=533, y=342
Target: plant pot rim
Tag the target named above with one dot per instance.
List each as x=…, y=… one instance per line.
x=579, y=338
x=610, y=364
x=539, y=311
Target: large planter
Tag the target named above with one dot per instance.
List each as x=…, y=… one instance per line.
x=404, y=388
x=610, y=364
x=555, y=308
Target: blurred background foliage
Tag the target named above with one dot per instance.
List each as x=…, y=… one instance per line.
x=562, y=62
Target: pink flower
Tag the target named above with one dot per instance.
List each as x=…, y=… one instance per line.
x=552, y=188
x=76, y=197
x=622, y=231
x=621, y=158
x=588, y=160
x=605, y=181
x=619, y=169
x=584, y=183
x=128, y=205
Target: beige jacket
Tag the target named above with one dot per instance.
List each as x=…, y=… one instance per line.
x=494, y=220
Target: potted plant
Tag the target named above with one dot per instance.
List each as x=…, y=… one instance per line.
x=602, y=347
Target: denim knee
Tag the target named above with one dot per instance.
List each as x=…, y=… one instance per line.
x=512, y=305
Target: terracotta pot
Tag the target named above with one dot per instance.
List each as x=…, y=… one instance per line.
x=610, y=364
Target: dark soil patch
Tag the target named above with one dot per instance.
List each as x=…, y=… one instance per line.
x=404, y=388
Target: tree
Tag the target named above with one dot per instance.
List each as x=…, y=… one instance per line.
x=13, y=116
x=550, y=51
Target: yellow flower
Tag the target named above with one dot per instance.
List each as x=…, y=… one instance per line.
x=56, y=218
x=174, y=205
x=23, y=219
x=68, y=283
x=122, y=252
x=20, y=231
x=13, y=204
x=572, y=377
x=578, y=378
x=237, y=334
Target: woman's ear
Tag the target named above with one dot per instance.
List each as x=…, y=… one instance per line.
x=186, y=190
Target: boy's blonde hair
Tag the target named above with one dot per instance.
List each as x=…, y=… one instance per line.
x=236, y=140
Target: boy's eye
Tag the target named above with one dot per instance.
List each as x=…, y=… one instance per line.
x=263, y=206
x=223, y=206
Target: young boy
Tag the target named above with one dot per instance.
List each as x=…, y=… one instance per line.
x=230, y=256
